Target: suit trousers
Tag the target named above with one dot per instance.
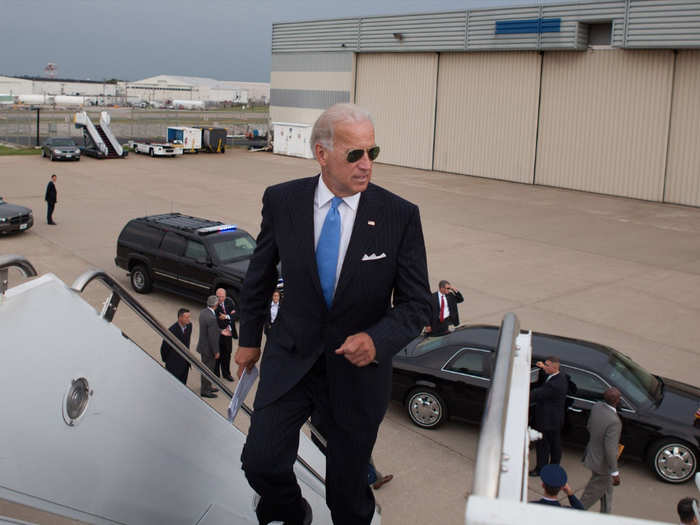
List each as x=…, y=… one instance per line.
x=49, y=211
x=223, y=364
x=599, y=488
x=210, y=361
x=180, y=374
x=548, y=448
x=271, y=447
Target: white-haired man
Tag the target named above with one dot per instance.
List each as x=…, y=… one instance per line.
x=355, y=292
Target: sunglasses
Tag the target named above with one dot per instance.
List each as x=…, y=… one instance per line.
x=357, y=154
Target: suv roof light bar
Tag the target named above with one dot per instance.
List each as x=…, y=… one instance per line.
x=217, y=229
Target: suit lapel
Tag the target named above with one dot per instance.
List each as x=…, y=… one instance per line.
x=367, y=210
x=301, y=211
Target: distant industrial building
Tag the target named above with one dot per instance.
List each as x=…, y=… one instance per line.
x=158, y=89
x=598, y=96
x=168, y=87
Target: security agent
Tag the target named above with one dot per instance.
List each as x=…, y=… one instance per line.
x=553, y=480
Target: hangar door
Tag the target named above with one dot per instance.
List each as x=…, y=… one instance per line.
x=487, y=114
x=683, y=173
x=398, y=89
x=604, y=121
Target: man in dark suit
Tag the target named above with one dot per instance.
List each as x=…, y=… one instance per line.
x=227, y=316
x=274, y=310
x=604, y=428
x=554, y=480
x=51, y=198
x=443, y=309
x=355, y=292
x=550, y=400
x=208, y=344
x=182, y=329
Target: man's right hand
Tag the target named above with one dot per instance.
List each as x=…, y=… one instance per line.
x=616, y=480
x=246, y=357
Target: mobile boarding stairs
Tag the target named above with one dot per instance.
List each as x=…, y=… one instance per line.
x=99, y=140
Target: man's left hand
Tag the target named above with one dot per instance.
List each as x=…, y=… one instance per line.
x=358, y=349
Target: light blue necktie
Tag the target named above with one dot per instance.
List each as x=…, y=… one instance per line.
x=327, y=250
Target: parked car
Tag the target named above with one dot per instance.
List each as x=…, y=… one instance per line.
x=60, y=149
x=14, y=218
x=185, y=255
x=449, y=376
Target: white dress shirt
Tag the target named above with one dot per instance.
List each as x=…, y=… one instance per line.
x=347, y=210
x=274, y=308
x=447, y=307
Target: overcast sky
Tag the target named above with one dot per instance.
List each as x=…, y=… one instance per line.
x=136, y=39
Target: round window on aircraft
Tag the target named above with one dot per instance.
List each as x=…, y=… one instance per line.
x=76, y=401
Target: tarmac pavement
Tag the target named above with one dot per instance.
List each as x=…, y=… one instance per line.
x=616, y=271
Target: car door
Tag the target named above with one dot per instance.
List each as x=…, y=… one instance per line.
x=468, y=375
x=169, y=260
x=589, y=389
x=196, y=273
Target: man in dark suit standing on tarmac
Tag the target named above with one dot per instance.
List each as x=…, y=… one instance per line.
x=443, y=309
x=51, y=198
x=182, y=329
x=226, y=316
x=355, y=292
x=550, y=401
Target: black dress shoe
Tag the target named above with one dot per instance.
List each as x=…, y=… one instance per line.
x=534, y=473
x=228, y=378
x=209, y=394
x=213, y=389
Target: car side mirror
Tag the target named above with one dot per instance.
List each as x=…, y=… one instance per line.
x=201, y=260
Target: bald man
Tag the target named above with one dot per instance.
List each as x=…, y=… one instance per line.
x=604, y=427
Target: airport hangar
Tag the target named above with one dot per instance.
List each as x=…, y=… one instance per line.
x=599, y=96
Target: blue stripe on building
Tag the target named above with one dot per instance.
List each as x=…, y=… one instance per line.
x=533, y=25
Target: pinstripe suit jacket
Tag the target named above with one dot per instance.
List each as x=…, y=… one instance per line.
x=305, y=327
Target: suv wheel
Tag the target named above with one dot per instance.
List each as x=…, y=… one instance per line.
x=140, y=279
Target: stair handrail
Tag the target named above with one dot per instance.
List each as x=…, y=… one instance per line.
x=82, y=119
x=14, y=261
x=119, y=293
x=105, y=120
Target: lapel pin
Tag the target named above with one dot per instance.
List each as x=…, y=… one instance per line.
x=371, y=223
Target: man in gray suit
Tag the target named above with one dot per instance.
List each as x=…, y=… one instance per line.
x=604, y=428
x=208, y=344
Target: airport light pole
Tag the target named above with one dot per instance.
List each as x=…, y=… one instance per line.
x=38, y=110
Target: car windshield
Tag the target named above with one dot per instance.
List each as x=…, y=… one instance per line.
x=641, y=386
x=62, y=142
x=233, y=246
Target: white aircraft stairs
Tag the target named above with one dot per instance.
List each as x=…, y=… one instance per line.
x=94, y=429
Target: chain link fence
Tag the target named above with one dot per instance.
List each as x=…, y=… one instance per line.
x=19, y=126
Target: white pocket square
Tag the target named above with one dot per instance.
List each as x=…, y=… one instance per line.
x=373, y=257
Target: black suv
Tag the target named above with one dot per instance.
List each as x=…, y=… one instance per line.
x=185, y=255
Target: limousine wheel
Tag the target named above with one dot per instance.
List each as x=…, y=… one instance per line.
x=426, y=408
x=140, y=279
x=673, y=460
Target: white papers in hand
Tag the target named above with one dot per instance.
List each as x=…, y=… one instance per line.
x=244, y=385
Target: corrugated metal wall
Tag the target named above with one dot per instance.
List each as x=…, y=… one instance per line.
x=683, y=172
x=487, y=114
x=663, y=23
x=636, y=24
x=437, y=31
x=399, y=91
x=604, y=121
